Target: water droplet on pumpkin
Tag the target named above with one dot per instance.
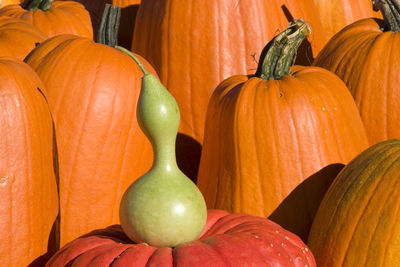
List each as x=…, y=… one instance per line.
x=271, y=245
x=286, y=237
x=277, y=231
x=279, y=254
x=323, y=108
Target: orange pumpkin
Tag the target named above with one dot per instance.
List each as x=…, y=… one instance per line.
x=367, y=59
x=357, y=223
x=28, y=188
x=18, y=38
x=194, y=45
x=92, y=90
x=53, y=18
x=9, y=2
x=340, y=13
x=265, y=134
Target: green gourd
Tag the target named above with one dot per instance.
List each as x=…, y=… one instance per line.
x=163, y=207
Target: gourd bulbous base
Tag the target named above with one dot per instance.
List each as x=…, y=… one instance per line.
x=163, y=209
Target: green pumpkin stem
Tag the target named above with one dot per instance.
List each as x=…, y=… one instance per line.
x=278, y=55
x=390, y=10
x=109, y=25
x=129, y=53
x=36, y=4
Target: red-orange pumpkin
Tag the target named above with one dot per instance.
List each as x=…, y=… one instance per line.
x=194, y=45
x=18, y=38
x=92, y=90
x=53, y=18
x=228, y=240
x=367, y=58
x=28, y=188
x=267, y=133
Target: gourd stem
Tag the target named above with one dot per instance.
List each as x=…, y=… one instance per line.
x=109, y=25
x=36, y=4
x=390, y=10
x=278, y=55
x=129, y=53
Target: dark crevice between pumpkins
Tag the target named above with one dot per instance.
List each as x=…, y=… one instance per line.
x=109, y=25
x=390, y=10
x=279, y=54
x=36, y=4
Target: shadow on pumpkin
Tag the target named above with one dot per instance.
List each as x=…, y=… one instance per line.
x=188, y=152
x=297, y=211
x=52, y=247
x=127, y=20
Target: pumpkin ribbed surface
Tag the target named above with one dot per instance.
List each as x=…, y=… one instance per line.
x=357, y=223
x=18, y=38
x=194, y=45
x=228, y=240
x=92, y=90
x=265, y=137
x=28, y=189
x=340, y=13
x=64, y=17
x=368, y=60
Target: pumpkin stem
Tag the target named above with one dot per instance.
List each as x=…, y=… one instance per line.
x=36, y=4
x=390, y=10
x=109, y=25
x=129, y=53
x=278, y=55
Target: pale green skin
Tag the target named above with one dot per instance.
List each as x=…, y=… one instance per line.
x=163, y=207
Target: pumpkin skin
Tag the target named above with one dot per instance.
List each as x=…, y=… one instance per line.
x=224, y=40
x=357, y=223
x=264, y=137
x=228, y=240
x=125, y=3
x=18, y=38
x=64, y=17
x=92, y=90
x=367, y=60
x=9, y=2
x=338, y=14
x=28, y=189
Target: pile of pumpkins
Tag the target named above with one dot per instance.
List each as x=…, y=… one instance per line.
x=236, y=133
